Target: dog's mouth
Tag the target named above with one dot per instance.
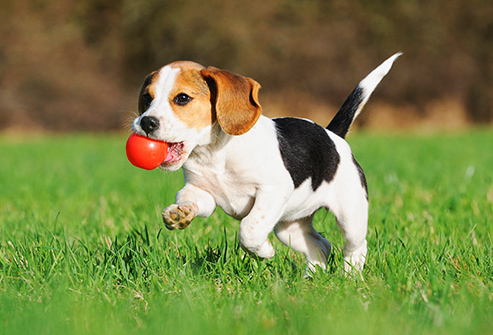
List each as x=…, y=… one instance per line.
x=174, y=156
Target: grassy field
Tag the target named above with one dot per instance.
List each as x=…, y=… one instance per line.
x=83, y=249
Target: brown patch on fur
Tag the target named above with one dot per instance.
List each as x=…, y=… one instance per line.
x=236, y=100
x=198, y=112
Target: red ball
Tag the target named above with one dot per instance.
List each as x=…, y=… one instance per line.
x=144, y=152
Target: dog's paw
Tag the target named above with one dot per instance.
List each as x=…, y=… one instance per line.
x=179, y=216
x=265, y=251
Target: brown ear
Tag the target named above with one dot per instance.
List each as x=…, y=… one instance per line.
x=235, y=99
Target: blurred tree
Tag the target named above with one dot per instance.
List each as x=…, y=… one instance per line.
x=89, y=57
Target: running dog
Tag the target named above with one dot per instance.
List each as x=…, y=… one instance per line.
x=272, y=174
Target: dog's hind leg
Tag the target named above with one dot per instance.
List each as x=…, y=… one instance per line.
x=352, y=219
x=301, y=237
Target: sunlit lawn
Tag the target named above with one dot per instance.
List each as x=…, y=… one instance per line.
x=83, y=249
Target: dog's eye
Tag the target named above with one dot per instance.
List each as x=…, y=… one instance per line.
x=146, y=101
x=182, y=99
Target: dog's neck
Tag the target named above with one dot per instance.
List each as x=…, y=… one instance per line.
x=219, y=139
x=207, y=152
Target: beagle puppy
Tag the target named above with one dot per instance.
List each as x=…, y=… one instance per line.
x=272, y=174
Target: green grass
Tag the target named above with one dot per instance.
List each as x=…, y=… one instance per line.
x=83, y=249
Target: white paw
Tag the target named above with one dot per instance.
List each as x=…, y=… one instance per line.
x=265, y=251
x=355, y=261
x=179, y=216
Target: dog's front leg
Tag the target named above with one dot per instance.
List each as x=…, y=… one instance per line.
x=191, y=201
x=260, y=222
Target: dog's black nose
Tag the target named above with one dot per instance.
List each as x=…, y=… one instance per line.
x=149, y=124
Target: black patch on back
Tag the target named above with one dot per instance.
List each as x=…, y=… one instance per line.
x=361, y=176
x=345, y=116
x=307, y=151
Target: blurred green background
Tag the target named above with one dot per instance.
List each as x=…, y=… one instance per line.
x=70, y=65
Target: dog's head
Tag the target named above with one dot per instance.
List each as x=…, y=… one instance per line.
x=183, y=102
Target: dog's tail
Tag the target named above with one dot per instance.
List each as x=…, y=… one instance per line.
x=357, y=99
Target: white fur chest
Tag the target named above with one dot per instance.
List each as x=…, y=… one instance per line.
x=234, y=173
x=228, y=185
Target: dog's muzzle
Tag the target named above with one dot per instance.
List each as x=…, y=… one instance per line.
x=149, y=124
